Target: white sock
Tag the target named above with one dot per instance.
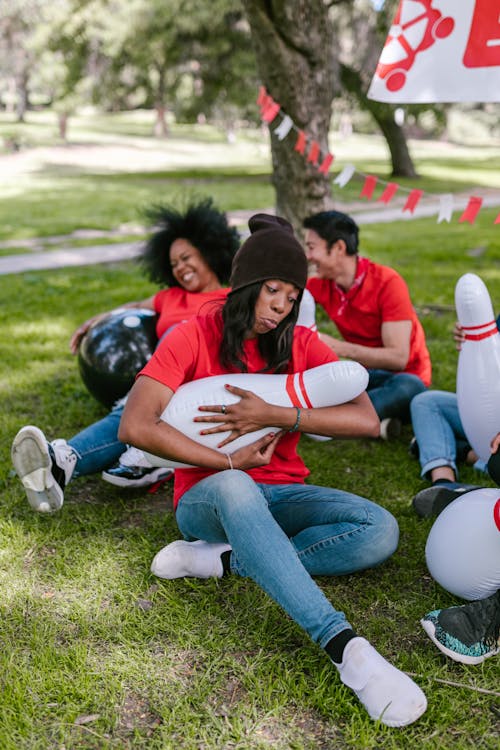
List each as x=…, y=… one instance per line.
x=387, y=693
x=196, y=559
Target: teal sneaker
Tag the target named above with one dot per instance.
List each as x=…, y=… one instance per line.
x=468, y=634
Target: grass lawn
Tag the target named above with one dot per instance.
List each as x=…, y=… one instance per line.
x=97, y=653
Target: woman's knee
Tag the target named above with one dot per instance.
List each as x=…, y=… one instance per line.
x=386, y=538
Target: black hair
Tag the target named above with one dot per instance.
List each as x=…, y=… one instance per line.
x=201, y=224
x=238, y=315
x=333, y=226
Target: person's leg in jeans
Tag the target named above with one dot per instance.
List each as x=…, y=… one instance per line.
x=228, y=508
x=97, y=447
x=391, y=393
x=438, y=430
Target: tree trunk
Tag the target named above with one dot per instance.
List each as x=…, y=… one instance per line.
x=22, y=99
x=383, y=114
x=293, y=43
x=160, y=129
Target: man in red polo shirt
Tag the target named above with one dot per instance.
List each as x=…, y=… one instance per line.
x=372, y=310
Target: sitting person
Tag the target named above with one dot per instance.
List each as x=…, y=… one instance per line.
x=371, y=307
x=248, y=512
x=189, y=252
x=440, y=444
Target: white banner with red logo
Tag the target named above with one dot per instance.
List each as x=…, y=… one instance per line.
x=441, y=51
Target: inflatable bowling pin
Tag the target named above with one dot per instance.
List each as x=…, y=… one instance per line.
x=478, y=371
x=307, y=311
x=327, y=385
x=463, y=546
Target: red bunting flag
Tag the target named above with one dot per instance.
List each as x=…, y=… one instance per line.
x=389, y=192
x=300, y=144
x=262, y=96
x=471, y=210
x=368, y=187
x=326, y=164
x=412, y=200
x=313, y=154
x=270, y=111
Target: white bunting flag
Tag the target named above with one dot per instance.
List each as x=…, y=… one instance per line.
x=284, y=128
x=445, y=207
x=343, y=177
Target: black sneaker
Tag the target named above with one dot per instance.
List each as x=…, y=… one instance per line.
x=432, y=500
x=44, y=468
x=134, y=470
x=468, y=634
x=136, y=476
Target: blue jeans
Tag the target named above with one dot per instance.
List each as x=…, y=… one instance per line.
x=391, y=393
x=97, y=447
x=282, y=534
x=439, y=431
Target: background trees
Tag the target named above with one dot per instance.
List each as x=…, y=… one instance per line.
x=205, y=59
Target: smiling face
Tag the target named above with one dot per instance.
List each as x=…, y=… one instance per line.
x=327, y=261
x=275, y=301
x=190, y=269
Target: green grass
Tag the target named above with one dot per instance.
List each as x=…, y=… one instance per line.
x=95, y=652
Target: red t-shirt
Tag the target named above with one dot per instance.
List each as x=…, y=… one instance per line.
x=176, y=305
x=191, y=351
x=379, y=295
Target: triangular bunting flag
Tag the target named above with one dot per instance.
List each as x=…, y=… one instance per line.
x=345, y=176
x=389, y=192
x=412, y=200
x=284, y=128
x=326, y=164
x=300, y=144
x=313, y=154
x=445, y=208
x=471, y=210
x=368, y=187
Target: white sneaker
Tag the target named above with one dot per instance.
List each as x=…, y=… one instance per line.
x=388, y=694
x=181, y=559
x=44, y=468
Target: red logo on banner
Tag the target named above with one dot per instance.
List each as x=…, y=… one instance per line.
x=417, y=25
x=483, y=47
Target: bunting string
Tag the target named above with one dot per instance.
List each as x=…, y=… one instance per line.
x=310, y=149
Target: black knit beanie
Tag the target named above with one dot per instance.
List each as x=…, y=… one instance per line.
x=271, y=252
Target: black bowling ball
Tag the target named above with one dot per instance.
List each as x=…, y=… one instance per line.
x=113, y=351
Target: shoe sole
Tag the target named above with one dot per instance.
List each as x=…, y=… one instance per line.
x=155, y=476
x=33, y=466
x=430, y=629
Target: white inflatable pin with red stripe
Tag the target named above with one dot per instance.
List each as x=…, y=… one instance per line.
x=327, y=385
x=478, y=370
x=463, y=546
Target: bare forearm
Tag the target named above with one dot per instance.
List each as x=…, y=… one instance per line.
x=382, y=357
x=355, y=419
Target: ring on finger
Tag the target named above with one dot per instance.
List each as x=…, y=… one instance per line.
x=223, y=408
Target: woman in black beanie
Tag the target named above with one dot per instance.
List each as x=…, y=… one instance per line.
x=249, y=512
